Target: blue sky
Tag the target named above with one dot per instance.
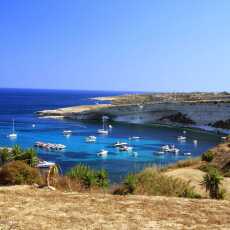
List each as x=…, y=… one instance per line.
x=147, y=45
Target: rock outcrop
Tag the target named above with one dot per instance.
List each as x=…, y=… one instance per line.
x=198, y=109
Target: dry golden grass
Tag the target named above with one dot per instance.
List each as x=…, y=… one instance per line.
x=24, y=207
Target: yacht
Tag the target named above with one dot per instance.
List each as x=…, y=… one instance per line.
x=13, y=135
x=160, y=153
x=181, y=138
x=195, y=142
x=119, y=144
x=103, y=131
x=170, y=148
x=125, y=148
x=90, y=139
x=45, y=164
x=67, y=132
x=103, y=153
x=134, y=138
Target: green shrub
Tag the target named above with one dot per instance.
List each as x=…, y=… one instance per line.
x=88, y=177
x=207, y=168
x=207, y=156
x=4, y=155
x=18, y=172
x=152, y=182
x=29, y=156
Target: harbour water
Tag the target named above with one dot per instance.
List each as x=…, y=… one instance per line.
x=22, y=104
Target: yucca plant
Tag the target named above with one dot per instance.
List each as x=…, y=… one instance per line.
x=212, y=181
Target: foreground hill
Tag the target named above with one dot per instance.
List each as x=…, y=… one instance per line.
x=25, y=207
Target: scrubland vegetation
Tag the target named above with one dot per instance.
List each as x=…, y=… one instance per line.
x=18, y=167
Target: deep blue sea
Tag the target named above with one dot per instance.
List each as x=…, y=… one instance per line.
x=22, y=104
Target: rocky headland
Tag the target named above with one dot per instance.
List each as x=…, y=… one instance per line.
x=202, y=110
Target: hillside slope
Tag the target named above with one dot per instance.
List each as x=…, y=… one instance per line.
x=24, y=207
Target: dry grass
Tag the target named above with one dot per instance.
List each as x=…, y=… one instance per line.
x=29, y=208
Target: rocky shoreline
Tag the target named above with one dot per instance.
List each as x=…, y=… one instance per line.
x=203, y=110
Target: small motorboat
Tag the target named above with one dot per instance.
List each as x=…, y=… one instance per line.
x=181, y=138
x=170, y=148
x=33, y=125
x=110, y=126
x=67, y=132
x=187, y=154
x=119, y=144
x=184, y=132
x=91, y=139
x=125, y=148
x=135, y=138
x=165, y=148
x=45, y=164
x=103, y=153
x=160, y=153
x=195, y=142
x=103, y=131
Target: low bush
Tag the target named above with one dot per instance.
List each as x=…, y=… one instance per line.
x=18, y=172
x=207, y=168
x=207, y=156
x=4, y=155
x=152, y=182
x=88, y=177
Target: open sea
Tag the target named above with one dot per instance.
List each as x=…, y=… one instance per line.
x=21, y=105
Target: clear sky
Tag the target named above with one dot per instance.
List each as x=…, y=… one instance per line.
x=141, y=45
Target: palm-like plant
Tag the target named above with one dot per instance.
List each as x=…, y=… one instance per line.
x=212, y=181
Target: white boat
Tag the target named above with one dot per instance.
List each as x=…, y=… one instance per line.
x=119, y=144
x=187, y=154
x=181, y=138
x=125, y=148
x=170, y=148
x=195, y=142
x=90, y=139
x=165, y=148
x=45, y=164
x=134, y=138
x=103, y=153
x=67, y=132
x=184, y=132
x=103, y=131
x=33, y=125
x=110, y=126
x=160, y=153
x=13, y=135
x=49, y=146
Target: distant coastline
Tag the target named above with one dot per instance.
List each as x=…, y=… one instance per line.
x=207, y=111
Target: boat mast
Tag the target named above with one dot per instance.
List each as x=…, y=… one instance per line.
x=13, y=127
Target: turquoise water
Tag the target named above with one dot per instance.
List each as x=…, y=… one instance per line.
x=21, y=105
